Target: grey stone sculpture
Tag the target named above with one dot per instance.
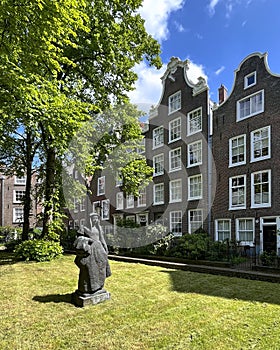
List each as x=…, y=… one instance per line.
x=92, y=260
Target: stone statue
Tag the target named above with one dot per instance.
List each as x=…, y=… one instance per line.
x=92, y=260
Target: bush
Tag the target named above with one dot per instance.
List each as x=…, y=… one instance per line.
x=38, y=250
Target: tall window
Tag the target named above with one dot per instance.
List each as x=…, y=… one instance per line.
x=237, y=192
x=176, y=223
x=195, y=220
x=250, y=106
x=158, y=137
x=83, y=204
x=260, y=144
x=18, y=215
x=119, y=179
x=237, y=150
x=195, y=187
x=158, y=193
x=194, y=121
x=175, y=187
x=174, y=102
x=130, y=201
x=222, y=229
x=261, y=189
x=76, y=205
x=195, y=153
x=245, y=231
x=175, y=130
x=158, y=164
x=142, y=198
x=101, y=185
x=175, y=159
x=119, y=200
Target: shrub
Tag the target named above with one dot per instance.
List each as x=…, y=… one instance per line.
x=38, y=250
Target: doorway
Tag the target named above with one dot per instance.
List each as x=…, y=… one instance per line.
x=270, y=238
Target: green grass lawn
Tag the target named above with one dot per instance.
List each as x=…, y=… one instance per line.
x=150, y=308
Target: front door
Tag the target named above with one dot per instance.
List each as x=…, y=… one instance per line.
x=269, y=238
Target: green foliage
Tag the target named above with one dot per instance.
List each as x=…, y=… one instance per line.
x=268, y=258
x=67, y=239
x=38, y=250
x=8, y=233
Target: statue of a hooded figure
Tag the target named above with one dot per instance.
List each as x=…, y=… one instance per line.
x=92, y=260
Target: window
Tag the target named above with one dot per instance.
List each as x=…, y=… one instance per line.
x=18, y=215
x=261, y=189
x=222, y=229
x=250, y=80
x=158, y=164
x=250, y=106
x=175, y=130
x=101, y=186
x=195, y=187
x=83, y=204
x=82, y=222
x=119, y=200
x=158, y=137
x=119, y=179
x=176, y=223
x=105, y=213
x=174, y=102
x=237, y=192
x=141, y=148
x=195, y=153
x=142, y=198
x=158, y=194
x=245, y=231
x=194, y=122
x=130, y=201
x=260, y=144
x=175, y=187
x=18, y=196
x=237, y=150
x=195, y=220
x=175, y=159
x=76, y=205
x=20, y=180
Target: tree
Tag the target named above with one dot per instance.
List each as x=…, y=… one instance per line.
x=59, y=63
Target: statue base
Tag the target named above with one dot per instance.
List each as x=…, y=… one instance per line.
x=90, y=299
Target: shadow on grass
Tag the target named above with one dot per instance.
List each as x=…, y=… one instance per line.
x=7, y=258
x=53, y=298
x=224, y=287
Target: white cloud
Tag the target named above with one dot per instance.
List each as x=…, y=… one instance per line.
x=179, y=27
x=156, y=14
x=195, y=71
x=229, y=5
x=211, y=7
x=220, y=70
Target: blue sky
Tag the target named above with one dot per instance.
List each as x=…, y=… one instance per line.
x=215, y=35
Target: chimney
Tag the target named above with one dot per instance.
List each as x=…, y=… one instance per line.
x=222, y=93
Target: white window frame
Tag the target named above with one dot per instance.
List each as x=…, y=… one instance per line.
x=236, y=138
x=174, y=102
x=250, y=243
x=158, y=139
x=237, y=187
x=20, y=194
x=174, y=157
x=142, y=198
x=249, y=99
x=119, y=179
x=190, y=115
x=196, y=154
x=177, y=126
x=175, y=192
x=161, y=155
x=223, y=230
x=18, y=219
x=129, y=201
x=76, y=205
x=198, y=183
x=246, y=80
x=175, y=218
x=268, y=203
x=119, y=201
x=83, y=204
x=200, y=222
x=101, y=185
x=105, y=212
x=261, y=141
x=155, y=191
x=20, y=180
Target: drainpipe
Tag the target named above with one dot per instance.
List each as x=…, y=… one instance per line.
x=2, y=178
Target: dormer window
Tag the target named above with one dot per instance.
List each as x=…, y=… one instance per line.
x=250, y=80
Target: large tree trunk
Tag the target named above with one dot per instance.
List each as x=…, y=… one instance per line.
x=49, y=189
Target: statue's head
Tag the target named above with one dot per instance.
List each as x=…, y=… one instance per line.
x=94, y=218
